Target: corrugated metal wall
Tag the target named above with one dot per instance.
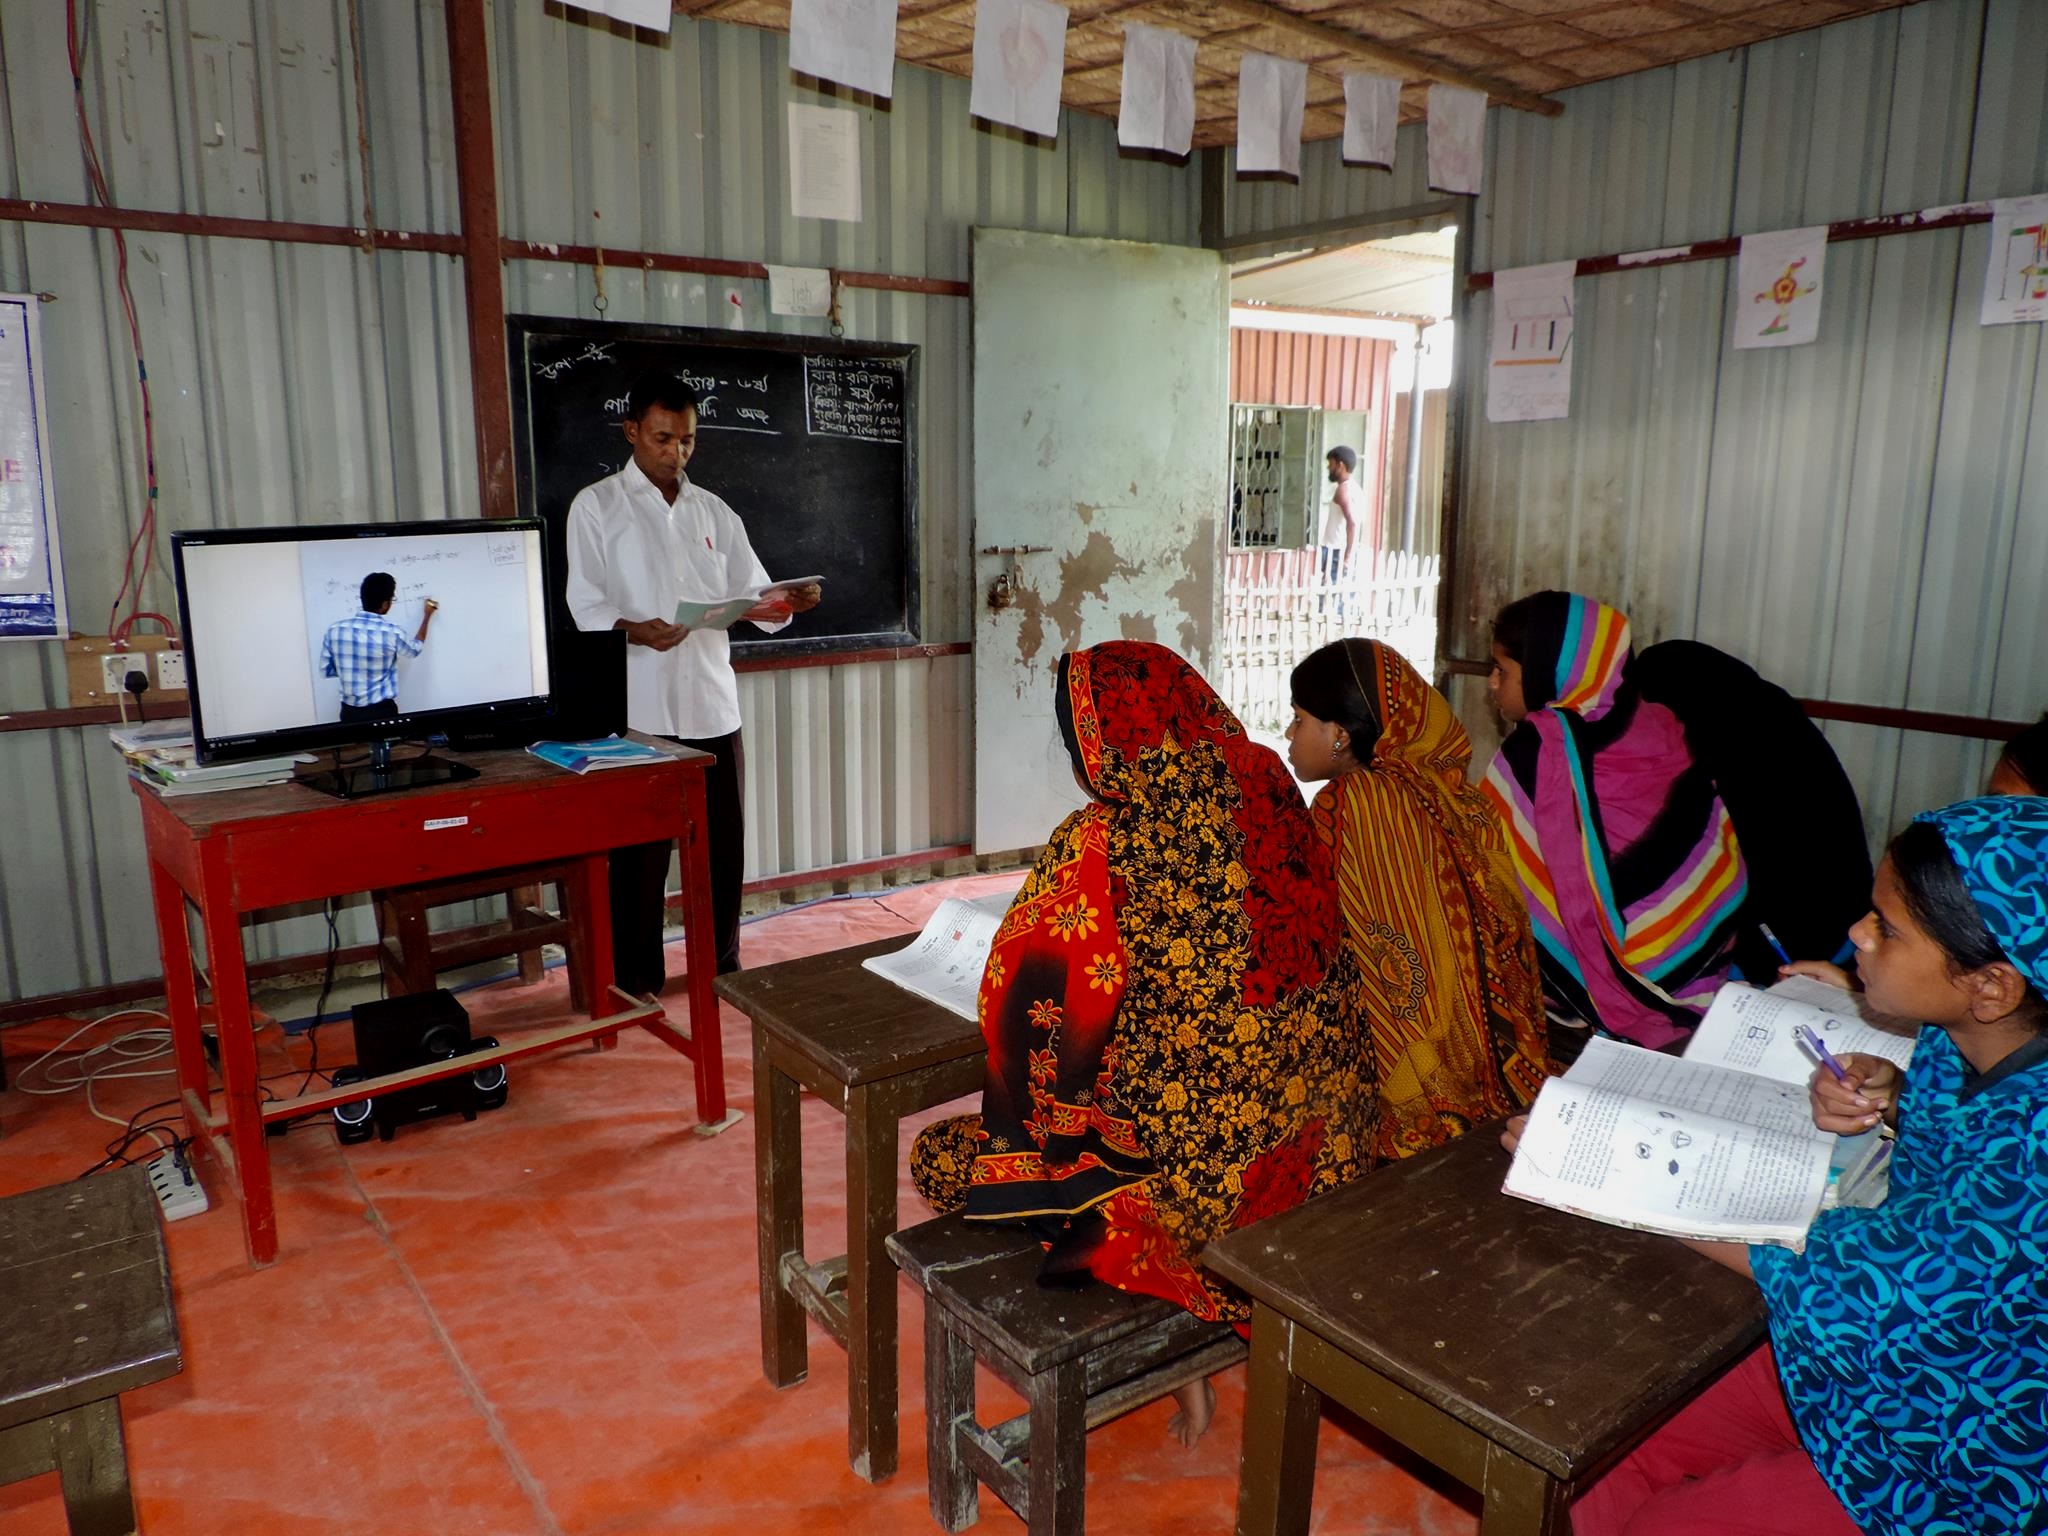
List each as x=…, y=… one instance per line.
x=1861, y=518
x=302, y=384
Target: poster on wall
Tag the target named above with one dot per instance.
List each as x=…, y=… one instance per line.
x=1529, y=371
x=1372, y=116
x=1020, y=49
x=1778, y=287
x=849, y=42
x=31, y=566
x=2016, y=275
x=1271, y=96
x=1457, y=138
x=1157, y=109
x=655, y=15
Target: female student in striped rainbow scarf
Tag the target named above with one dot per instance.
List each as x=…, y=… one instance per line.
x=1904, y=1391
x=1626, y=853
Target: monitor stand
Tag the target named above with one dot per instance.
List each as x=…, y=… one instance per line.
x=381, y=776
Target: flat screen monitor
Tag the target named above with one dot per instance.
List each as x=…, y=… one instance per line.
x=274, y=617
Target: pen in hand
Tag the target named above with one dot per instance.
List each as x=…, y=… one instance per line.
x=1771, y=939
x=1818, y=1047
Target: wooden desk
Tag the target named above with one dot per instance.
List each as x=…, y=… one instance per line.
x=244, y=850
x=1520, y=1349
x=875, y=1053
x=85, y=1310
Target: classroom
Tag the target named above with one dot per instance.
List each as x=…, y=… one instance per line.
x=1352, y=789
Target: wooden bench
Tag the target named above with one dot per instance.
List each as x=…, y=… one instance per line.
x=411, y=954
x=1520, y=1349
x=85, y=1315
x=1079, y=1358
x=875, y=1053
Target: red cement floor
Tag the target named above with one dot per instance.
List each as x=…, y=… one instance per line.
x=545, y=1322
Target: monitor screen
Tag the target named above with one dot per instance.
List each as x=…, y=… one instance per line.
x=276, y=628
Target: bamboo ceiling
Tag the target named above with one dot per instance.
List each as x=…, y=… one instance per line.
x=1517, y=51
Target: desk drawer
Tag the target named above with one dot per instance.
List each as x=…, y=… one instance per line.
x=412, y=837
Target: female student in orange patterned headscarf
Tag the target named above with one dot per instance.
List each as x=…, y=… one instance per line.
x=1431, y=909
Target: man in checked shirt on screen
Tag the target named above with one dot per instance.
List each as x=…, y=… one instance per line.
x=362, y=652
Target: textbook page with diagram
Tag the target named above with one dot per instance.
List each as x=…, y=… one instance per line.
x=724, y=612
x=944, y=963
x=1717, y=1144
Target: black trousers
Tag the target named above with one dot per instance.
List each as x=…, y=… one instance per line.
x=383, y=709
x=639, y=876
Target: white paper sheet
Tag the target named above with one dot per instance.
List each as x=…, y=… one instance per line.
x=1530, y=374
x=1271, y=94
x=1372, y=117
x=850, y=42
x=1020, y=50
x=1778, y=287
x=1158, y=106
x=1457, y=138
x=824, y=163
x=944, y=963
x=1747, y=1030
x=1640, y=1139
x=799, y=290
x=655, y=15
x=2016, y=272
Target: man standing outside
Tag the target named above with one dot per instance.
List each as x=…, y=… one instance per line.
x=1340, y=521
x=639, y=542
x=361, y=652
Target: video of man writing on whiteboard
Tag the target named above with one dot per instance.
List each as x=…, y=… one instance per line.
x=352, y=630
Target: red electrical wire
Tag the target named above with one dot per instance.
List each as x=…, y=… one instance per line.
x=96, y=181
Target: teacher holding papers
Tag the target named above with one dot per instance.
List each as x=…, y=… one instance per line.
x=641, y=542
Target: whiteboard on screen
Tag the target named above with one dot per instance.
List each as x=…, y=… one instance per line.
x=478, y=649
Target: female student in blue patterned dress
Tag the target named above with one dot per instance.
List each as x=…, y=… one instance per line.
x=1904, y=1391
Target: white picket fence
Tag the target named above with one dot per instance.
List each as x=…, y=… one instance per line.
x=1279, y=604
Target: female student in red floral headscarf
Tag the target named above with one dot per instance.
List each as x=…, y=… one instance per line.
x=1169, y=1006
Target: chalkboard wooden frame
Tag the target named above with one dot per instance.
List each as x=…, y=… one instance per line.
x=523, y=332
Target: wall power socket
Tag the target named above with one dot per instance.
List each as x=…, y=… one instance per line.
x=114, y=669
x=170, y=670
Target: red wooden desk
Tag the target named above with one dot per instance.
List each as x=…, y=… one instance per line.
x=244, y=850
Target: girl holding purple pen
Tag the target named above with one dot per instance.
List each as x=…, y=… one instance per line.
x=1905, y=1385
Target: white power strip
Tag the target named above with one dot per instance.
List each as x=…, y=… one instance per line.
x=177, y=1187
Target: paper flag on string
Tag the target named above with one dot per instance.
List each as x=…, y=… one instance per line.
x=1158, y=108
x=824, y=162
x=849, y=42
x=1777, y=287
x=1271, y=94
x=1457, y=138
x=2016, y=275
x=655, y=15
x=1020, y=50
x=1529, y=372
x=1372, y=114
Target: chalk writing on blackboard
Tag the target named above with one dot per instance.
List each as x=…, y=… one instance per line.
x=591, y=353
x=854, y=397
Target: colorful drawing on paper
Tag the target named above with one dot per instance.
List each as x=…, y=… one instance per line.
x=2016, y=277
x=1779, y=281
x=1529, y=377
x=1782, y=295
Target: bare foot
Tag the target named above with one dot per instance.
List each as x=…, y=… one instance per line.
x=1197, y=1407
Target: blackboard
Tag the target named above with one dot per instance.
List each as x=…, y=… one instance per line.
x=811, y=441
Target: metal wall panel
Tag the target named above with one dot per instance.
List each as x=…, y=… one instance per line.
x=297, y=384
x=1860, y=518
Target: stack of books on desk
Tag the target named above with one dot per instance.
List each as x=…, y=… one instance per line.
x=160, y=754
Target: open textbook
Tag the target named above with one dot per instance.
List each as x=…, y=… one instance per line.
x=944, y=963
x=1719, y=1143
x=724, y=612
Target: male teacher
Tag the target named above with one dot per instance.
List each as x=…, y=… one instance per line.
x=640, y=542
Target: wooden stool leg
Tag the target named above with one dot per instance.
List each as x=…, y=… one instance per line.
x=870, y=1283
x=92, y=1462
x=1059, y=1451
x=1282, y=1413
x=778, y=1216
x=951, y=1485
x=531, y=968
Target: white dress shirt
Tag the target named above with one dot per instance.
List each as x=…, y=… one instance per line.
x=634, y=556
